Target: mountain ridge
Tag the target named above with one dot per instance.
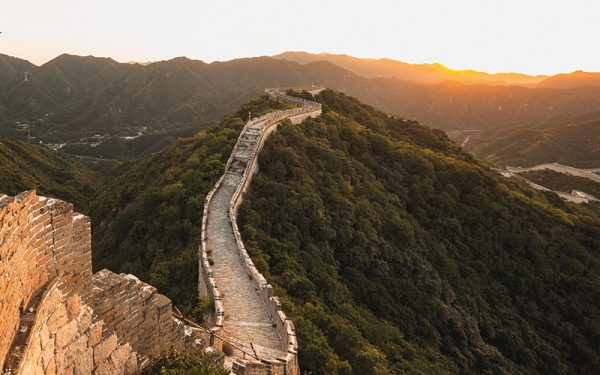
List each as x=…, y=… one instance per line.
x=86, y=101
x=421, y=73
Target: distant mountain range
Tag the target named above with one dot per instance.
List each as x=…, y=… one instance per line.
x=420, y=73
x=97, y=105
x=438, y=73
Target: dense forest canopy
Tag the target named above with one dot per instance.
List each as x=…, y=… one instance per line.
x=396, y=252
x=25, y=166
x=568, y=140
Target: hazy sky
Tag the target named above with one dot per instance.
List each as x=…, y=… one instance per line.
x=530, y=36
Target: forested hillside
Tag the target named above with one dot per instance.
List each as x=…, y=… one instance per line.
x=562, y=182
x=568, y=140
x=25, y=166
x=398, y=253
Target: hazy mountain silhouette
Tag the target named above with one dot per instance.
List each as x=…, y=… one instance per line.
x=421, y=73
x=575, y=79
x=12, y=67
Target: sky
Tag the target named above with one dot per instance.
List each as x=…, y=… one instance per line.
x=526, y=36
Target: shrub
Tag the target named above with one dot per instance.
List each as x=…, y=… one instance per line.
x=184, y=363
x=227, y=349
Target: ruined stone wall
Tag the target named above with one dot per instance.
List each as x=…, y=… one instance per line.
x=55, y=316
x=64, y=340
x=41, y=239
x=130, y=307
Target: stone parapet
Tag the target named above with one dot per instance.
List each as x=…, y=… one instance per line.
x=128, y=307
x=62, y=339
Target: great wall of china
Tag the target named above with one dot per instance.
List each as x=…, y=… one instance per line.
x=246, y=312
x=57, y=317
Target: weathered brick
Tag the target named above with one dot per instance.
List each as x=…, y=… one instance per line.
x=120, y=356
x=131, y=366
x=51, y=368
x=84, y=363
x=73, y=306
x=42, y=241
x=105, y=368
x=95, y=334
x=58, y=319
x=104, y=349
x=66, y=334
x=85, y=319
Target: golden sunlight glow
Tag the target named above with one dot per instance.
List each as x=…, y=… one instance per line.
x=533, y=37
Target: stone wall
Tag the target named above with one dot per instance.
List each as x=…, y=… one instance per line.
x=64, y=340
x=41, y=239
x=129, y=307
x=289, y=364
x=55, y=316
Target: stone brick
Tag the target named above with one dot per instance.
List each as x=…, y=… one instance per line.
x=95, y=334
x=131, y=366
x=104, y=349
x=73, y=306
x=120, y=356
x=59, y=358
x=51, y=368
x=48, y=353
x=44, y=336
x=66, y=334
x=85, y=319
x=105, y=368
x=76, y=349
x=84, y=363
x=58, y=319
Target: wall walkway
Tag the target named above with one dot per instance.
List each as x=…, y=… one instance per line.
x=246, y=312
